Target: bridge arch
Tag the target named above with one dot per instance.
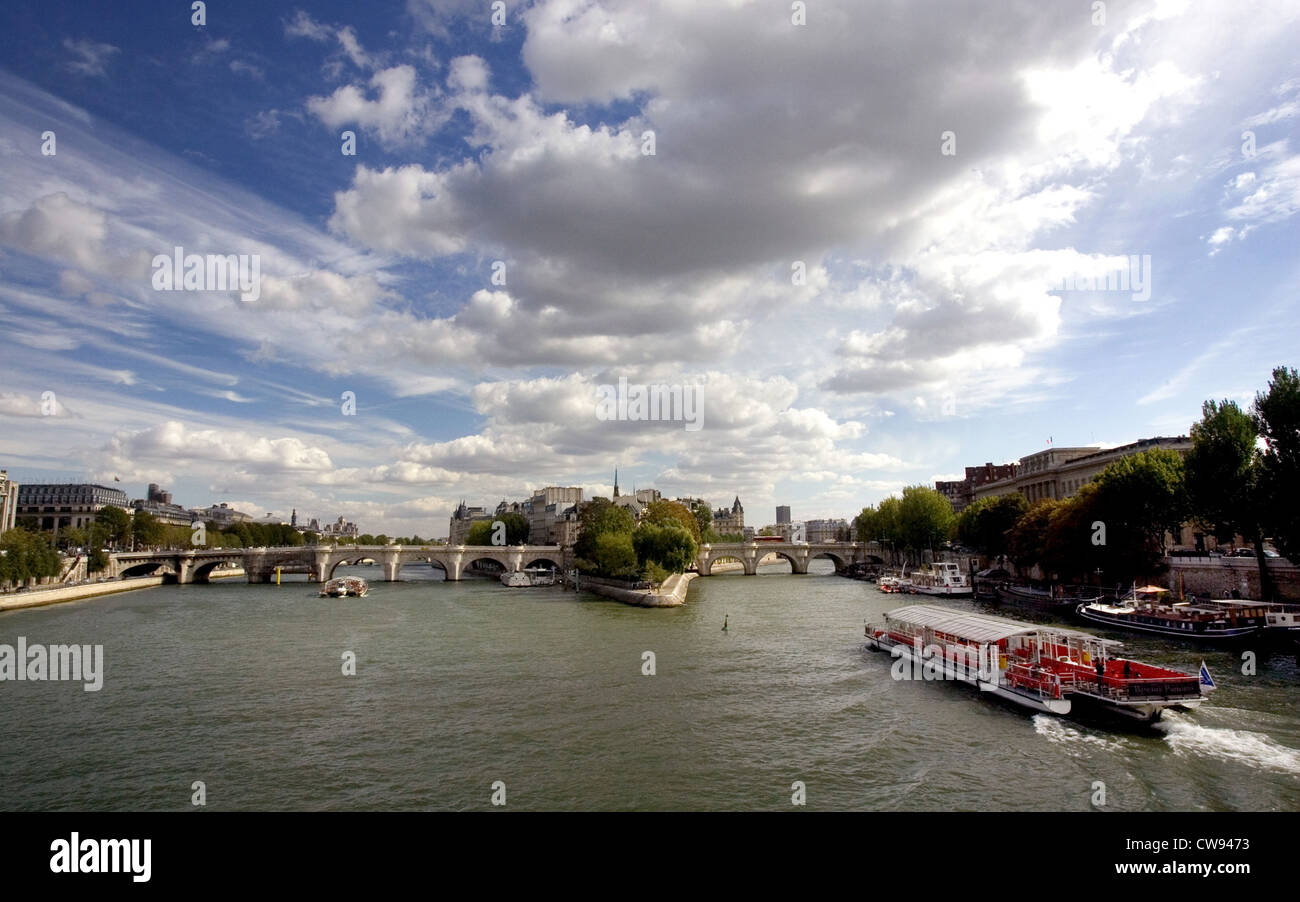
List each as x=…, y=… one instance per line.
x=544, y=562
x=350, y=560
x=145, y=568
x=707, y=569
x=839, y=560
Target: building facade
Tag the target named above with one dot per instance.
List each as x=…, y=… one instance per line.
x=159, y=504
x=61, y=505
x=961, y=493
x=221, y=514
x=730, y=521
x=783, y=513
x=8, y=501
x=825, y=530
x=1057, y=473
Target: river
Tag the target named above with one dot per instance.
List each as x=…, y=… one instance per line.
x=460, y=685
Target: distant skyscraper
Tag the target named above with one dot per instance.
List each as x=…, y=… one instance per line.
x=783, y=514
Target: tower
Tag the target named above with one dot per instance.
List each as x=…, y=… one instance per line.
x=616, y=482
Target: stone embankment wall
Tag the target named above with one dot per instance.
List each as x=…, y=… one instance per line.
x=1217, y=576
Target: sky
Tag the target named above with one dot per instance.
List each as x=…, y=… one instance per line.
x=864, y=236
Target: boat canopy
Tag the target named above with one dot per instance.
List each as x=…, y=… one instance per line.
x=979, y=627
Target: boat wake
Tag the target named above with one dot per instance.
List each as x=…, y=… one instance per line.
x=1057, y=731
x=1185, y=737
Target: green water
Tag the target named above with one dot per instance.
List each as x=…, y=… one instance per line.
x=459, y=685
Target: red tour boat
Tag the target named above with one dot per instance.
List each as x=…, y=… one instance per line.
x=1044, y=668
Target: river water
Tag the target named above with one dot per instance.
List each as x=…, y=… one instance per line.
x=460, y=685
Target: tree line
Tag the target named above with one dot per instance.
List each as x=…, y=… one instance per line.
x=1241, y=477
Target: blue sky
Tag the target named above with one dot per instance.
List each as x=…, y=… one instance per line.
x=927, y=335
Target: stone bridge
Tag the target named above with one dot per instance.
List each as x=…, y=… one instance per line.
x=799, y=554
x=174, y=566
x=321, y=560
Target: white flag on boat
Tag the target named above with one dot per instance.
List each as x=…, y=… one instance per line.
x=1207, y=682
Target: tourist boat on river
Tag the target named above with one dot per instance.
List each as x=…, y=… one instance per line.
x=892, y=584
x=345, y=587
x=1046, y=669
x=1151, y=609
x=532, y=576
x=941, y=578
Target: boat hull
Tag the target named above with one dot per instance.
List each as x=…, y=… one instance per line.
x=953, y=672
x=1232, y=634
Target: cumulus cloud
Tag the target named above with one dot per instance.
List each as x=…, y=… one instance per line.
x=174, y=441
x=400, y=112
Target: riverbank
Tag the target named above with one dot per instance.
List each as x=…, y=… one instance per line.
x=671, y=594
x=42, y=597
x=76, y=593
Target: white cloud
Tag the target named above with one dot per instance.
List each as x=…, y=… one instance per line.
x=88, y=57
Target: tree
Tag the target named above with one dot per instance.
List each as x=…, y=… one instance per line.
x=1027, y=542
x=662, y=513
x=864, y=525
x=925, y=519
x=1277, y=419
x=986, y=523
x=703, y=519
x=596, y=518
x=517, y=528
x=669, y=545
x=146, y=529
x=115, y=524
x=614, y=555
x=1141, y=497
x=27, y=555
x=1223, y=473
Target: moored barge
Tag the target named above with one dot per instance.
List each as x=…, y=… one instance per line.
x=1150, y=609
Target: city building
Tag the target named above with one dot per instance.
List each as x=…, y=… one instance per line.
x=961, y=493
x=339, y=528
x=60, y=505
x=462, y=519
x=552, y=515
x=1057, y=473
x=159, y=504
x=783, y=513
x=8, y=501
x=826, y=530
x=726, y=522
x=222, y=515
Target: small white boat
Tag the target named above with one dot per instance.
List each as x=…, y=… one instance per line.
x=345, y=587
x=532, y=576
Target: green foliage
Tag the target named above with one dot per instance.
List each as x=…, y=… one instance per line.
x=96, y=561
x=479, y=533
x=925, y=519
x=670, y=545
x=27, y=555
x=703, y=520
x=1223, y=471
x=115, y=524
x=146, y=529
x=598, y=517
x=1027, y=541
x=1277, y=419
x=654, y=574
x=614, y=555
x=663, y=513
x=985, y=524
